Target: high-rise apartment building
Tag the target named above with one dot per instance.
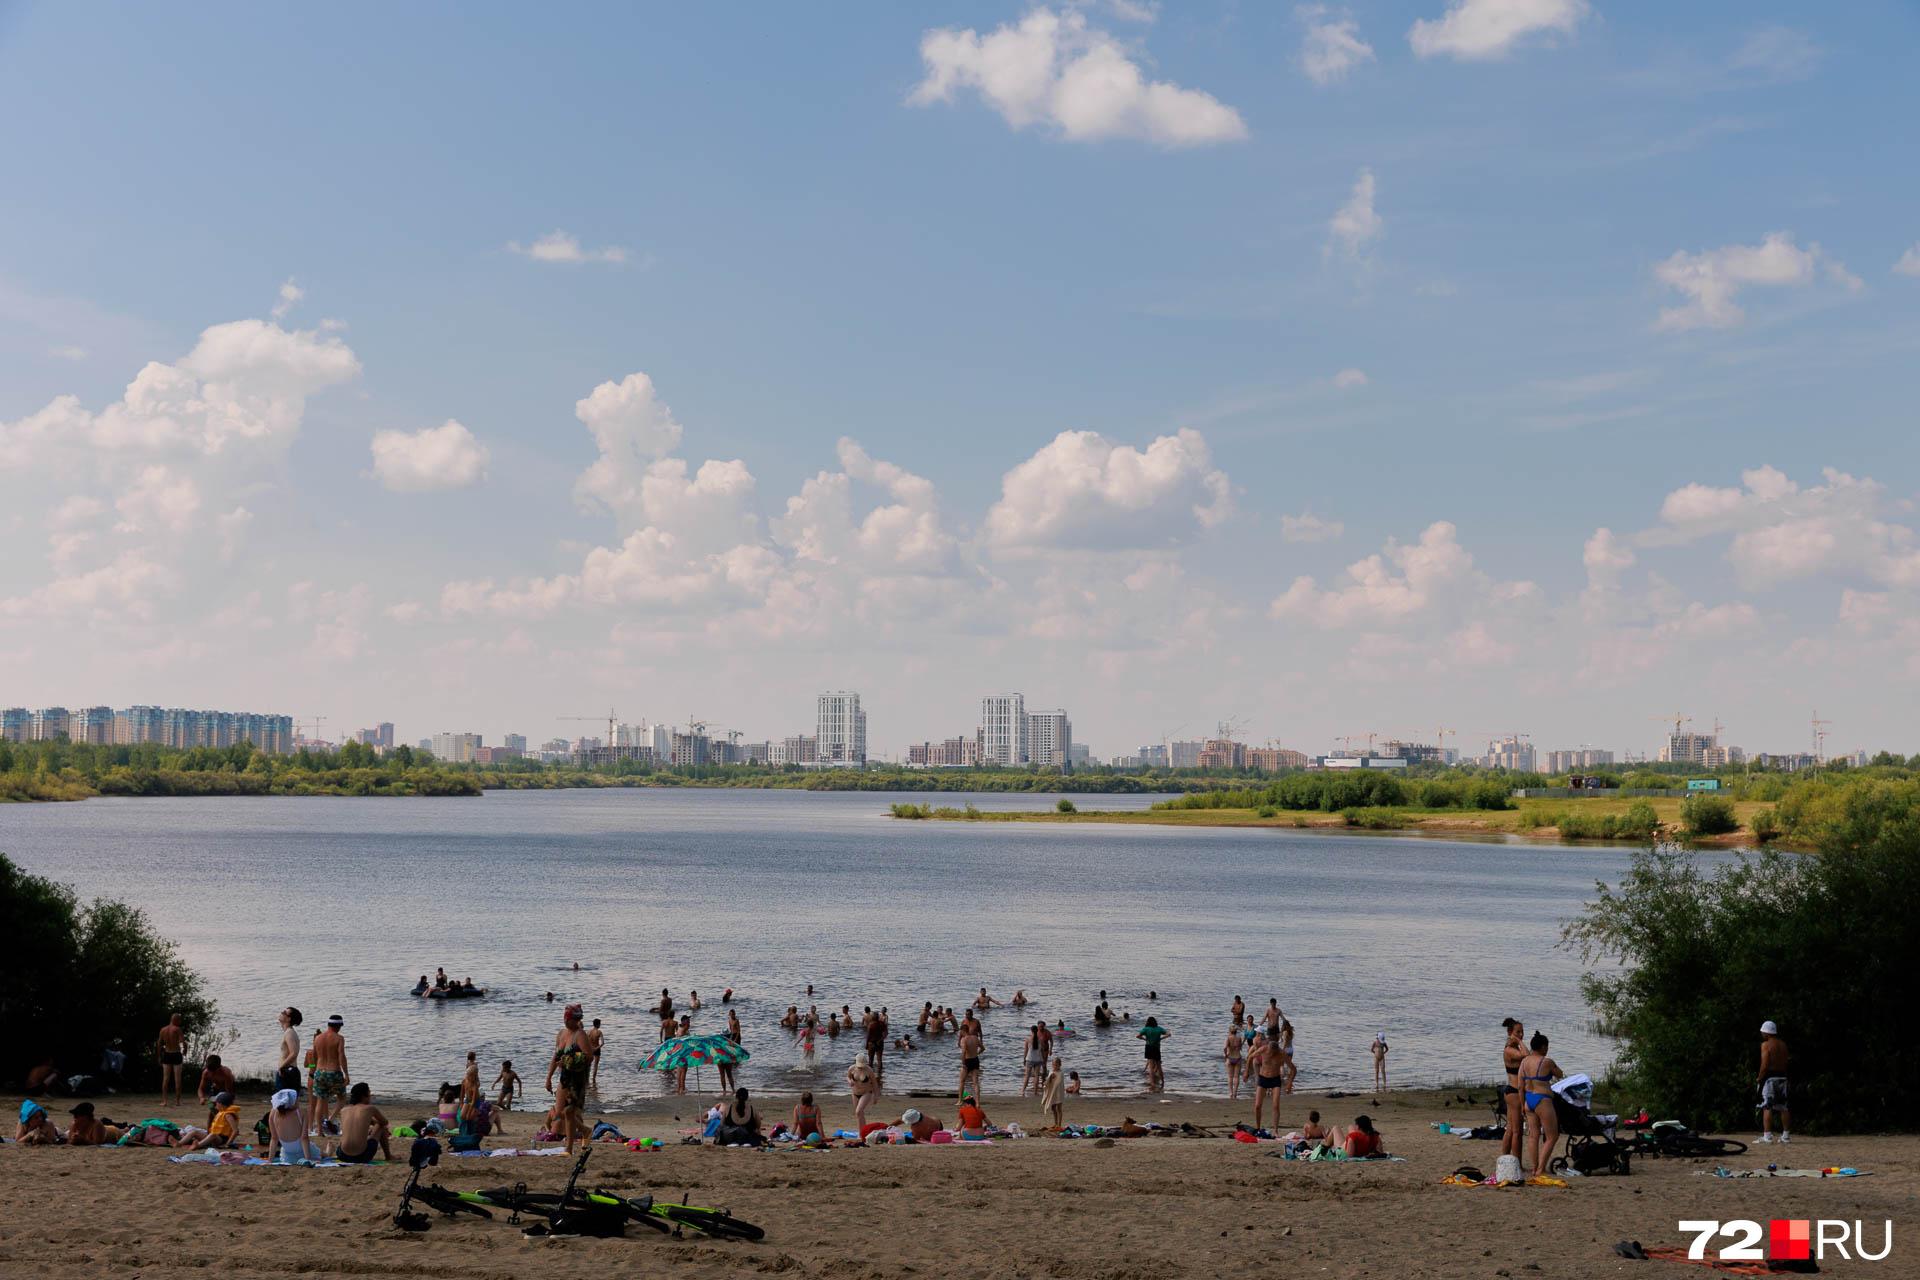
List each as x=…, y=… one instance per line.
x=1184, y=755
x=1576, y=760
x=1153, y=757
x=1511, y=753
x=50, y=723
x=456, y=748
x=1223, y=753
x=1049, y=739
x=840, y=729
x=1003, y=729
x=94, y=725
x=1274, y=759
x=515, y=742
x=800, y=748
x=380, y=737
x=1688, y=748
x=16, y=724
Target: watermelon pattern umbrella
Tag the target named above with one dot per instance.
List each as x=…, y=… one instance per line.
x=693, y=1051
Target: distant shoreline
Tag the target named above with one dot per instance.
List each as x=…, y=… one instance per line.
x=1531, y=820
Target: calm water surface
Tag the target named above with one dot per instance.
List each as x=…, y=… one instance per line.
x=337, y=904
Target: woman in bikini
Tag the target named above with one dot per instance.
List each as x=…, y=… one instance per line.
x=1232, y=1054
x=1537, y=1074
x=863, y=1085
x=1510, y=1055
x=806, y=1118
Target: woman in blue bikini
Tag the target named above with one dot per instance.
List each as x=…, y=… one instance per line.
x=1537, y=1074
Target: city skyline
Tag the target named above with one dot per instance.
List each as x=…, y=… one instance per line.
x=1551, y=374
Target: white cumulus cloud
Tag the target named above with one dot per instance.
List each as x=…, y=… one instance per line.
x=1355, y=224
x=1084, y=492
x=432, y=458
x=1712, y=279
x=1054, y=70
x=1349, y=378
x=1332, y=46
x=290, y=297
x=1308, y=527
x=1909, y=262
x=1480, y=30
x=1383, y=588
x=564, y=247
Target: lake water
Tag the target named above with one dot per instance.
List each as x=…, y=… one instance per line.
x=337, y=905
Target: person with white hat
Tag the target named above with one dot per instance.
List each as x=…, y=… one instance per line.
x=287, y=1131
x=1774, y=1061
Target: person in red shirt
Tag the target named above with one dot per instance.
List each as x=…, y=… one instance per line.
x=973, y=1121
x=1363, y=1140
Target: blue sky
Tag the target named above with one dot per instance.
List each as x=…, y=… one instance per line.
x=893, y=224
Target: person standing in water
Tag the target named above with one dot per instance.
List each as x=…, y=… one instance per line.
x=971, y=1046
x=1235, y=1046
x=1269, y=1066
x=596, y=1041
x=1153, y=1033
x=1379, y=1051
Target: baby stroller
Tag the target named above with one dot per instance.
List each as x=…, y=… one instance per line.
x=1591, y=1145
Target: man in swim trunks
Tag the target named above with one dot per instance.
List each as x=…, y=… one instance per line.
x=1269, y=1064
x=330, y=1076
x=363, y=1130
x=877, y=1041
x=596, y=1041
x=1774, y=1061
x=1510, y=1055
x=171, y=1050
x=971, y=1046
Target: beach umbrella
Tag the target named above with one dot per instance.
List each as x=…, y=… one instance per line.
x=693, y=1051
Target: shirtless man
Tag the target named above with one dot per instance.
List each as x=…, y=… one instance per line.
x=330, y=1075
x=668, y=1023
x=171, y=1048
x=287, y=1074
x=215, y=1078
x=1269, y=1075
x=1774, y=1061
x=1510, y=1055
x=363, y=1130
x=970, y=1048
x=596, y=1041
x=985, y=1001
x=470, y=1082
x=877, y=1041
x=573, y=1062
x=1272, y=1017
x=693, y=1001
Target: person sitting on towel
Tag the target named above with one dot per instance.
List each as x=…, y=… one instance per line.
x=1363, y=1140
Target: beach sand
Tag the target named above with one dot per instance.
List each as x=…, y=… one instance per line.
x=1040, y=1207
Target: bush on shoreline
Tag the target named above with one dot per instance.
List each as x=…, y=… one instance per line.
x=79, y=977
x=1818, y=944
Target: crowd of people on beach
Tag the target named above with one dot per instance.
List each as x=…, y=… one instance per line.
x=318, y=1111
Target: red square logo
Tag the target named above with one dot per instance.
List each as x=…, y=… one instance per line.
x=1789, y=1239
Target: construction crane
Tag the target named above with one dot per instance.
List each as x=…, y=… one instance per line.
x=1679, y=719
x=1231, y=726
x=612, y=719
x=1819, y=738
x=301, y=726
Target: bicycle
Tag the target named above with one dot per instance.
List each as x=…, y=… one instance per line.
x=1676, y=1141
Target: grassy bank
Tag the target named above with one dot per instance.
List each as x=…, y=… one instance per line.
x=1542, y=819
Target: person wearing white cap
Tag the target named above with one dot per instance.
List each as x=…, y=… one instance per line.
x=1379, y=1050
x=1774, y=1060
x=287, y=1131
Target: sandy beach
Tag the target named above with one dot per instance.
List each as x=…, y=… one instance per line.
x=1042, y=1206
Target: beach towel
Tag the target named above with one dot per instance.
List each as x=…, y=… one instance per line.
x=1674, y=1253
x=1832, y=1171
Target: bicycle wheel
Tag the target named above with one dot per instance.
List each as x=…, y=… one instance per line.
x=1698, y=1148
x=449, y=1202
x=711, y=1222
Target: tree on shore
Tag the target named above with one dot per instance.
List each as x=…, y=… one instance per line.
x=80, y=977
x=1822, y=944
